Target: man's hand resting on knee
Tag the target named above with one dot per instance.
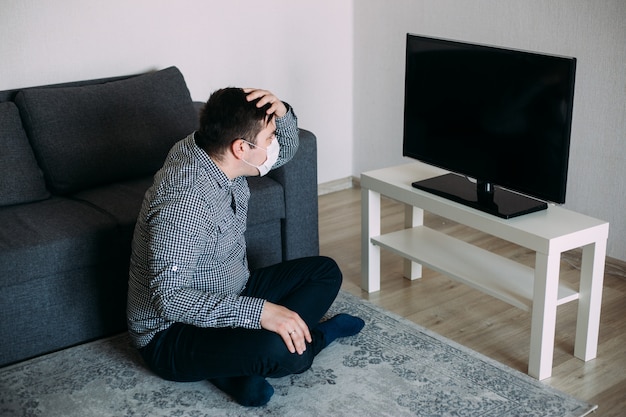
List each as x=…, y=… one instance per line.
x=288, y=324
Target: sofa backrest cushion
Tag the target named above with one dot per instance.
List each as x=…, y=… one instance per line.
x=21, y=180
x=103, y=133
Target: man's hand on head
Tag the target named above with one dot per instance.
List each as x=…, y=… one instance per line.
x=277, y=107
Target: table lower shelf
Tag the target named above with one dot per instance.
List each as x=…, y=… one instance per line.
x=499, y=277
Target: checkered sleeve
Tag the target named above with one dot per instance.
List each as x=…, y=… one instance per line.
x=287, y=135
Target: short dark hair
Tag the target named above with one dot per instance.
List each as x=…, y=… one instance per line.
x=228, y=116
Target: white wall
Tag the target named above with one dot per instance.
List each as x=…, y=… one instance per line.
x=302, y=51
x=594, y=32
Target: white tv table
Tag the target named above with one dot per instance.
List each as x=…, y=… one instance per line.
x=549, y=233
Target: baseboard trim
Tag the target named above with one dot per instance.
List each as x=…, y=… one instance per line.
x=337, y=185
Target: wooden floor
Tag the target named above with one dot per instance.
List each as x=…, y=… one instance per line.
x=479, y=321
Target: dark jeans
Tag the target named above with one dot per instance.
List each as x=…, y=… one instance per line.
x=307, y=286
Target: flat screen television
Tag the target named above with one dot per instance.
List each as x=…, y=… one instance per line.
x=498, y=119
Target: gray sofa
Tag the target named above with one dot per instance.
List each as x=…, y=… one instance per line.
x=77, y=159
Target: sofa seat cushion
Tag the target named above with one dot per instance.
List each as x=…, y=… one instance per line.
x=21, y=180
x=121, y=201
x=53, y=236
x=91, y=135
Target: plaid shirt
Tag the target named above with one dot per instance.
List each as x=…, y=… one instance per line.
x=188, y=261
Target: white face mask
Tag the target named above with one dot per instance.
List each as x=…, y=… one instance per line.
x=272, y=152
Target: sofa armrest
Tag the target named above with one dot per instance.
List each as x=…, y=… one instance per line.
x=299, y=180
x=198, y=105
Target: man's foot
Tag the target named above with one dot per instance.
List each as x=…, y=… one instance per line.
x=341, y=325
x=249, y=391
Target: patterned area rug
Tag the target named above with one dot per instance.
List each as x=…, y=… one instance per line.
x=392, y=368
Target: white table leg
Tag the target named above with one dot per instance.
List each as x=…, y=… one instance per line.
x=590, y=300
x=370, y=253
x=543, y=322
x=413, y=216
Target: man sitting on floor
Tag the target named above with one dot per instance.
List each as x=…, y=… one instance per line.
x=195, y=311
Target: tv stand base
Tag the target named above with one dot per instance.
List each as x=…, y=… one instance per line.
x=549, y=233
x=482, y=196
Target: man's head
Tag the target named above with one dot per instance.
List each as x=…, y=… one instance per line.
x=228, y=116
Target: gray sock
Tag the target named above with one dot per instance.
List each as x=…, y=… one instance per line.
x=249, y=391
x=341, y=325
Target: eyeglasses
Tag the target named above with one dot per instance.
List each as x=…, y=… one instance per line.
x=273, y=137
x=254, y=144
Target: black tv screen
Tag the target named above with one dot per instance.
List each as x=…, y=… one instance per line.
x=500, y=118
